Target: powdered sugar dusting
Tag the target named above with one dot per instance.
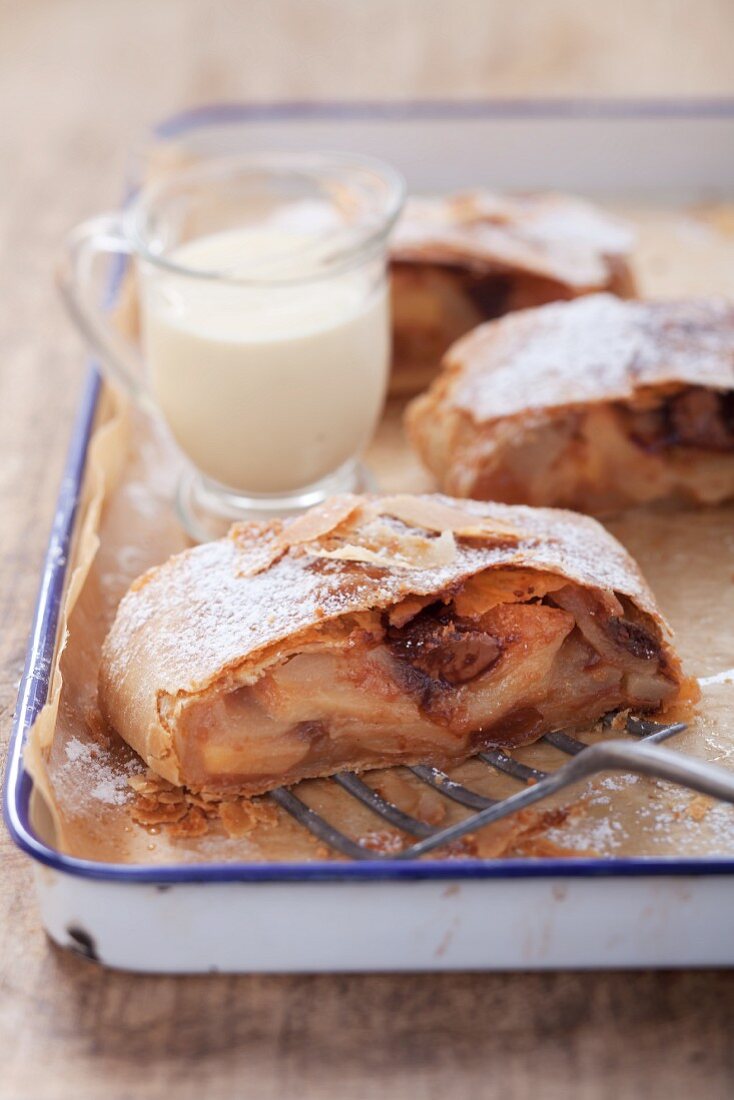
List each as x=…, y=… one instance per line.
x=602, y=836
x=76, y=750
x=553, y=236
x=111, y=790
x=200, y=613
x=597, y=348
x=87, y=768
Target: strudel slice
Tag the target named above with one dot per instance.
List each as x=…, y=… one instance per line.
x=464, y=259
x=595, y=405
x=378, y=631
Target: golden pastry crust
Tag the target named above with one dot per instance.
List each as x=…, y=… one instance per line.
x=593, y=405
x=464, y=259
x=409, y=604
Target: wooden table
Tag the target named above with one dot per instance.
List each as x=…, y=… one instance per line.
x=78, y=80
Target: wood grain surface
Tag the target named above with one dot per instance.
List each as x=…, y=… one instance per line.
x=79, y=79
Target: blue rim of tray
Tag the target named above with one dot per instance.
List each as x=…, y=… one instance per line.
x=35, y=682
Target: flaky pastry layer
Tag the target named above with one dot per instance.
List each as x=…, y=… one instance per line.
x=376, y=631
x=464, y=259
x=593, y=405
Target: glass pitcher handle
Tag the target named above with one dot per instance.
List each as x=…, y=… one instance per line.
x=97, y=236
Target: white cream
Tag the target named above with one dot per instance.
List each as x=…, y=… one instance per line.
x=266, y=388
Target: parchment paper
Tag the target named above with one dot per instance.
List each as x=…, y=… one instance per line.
x=82, y=771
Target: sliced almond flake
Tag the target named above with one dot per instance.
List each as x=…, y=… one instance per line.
x=350, y=552
x=322, y=520
x=415, y=553
x=263, y=544
x=433, y=515
x=489, y=530
x=438, y=552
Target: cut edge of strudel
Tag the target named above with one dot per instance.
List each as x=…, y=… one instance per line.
x=375, y=631
x=595, y=405
x=463, y=259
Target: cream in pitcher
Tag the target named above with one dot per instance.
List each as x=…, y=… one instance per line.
x=262, y=281
x=266, y=388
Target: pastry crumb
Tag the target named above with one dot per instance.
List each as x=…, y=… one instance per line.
x=147, y=812
x=192, y=813
x=193, y=824
x=619, y=722
x=699, y=806
x=241, y=817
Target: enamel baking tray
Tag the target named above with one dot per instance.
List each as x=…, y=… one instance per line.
x=468, y=914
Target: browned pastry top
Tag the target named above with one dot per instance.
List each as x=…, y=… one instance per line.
x=235, y=602
x=594, y=349
x=553, y=236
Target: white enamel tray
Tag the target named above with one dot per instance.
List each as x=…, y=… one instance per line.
x=468, y=914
